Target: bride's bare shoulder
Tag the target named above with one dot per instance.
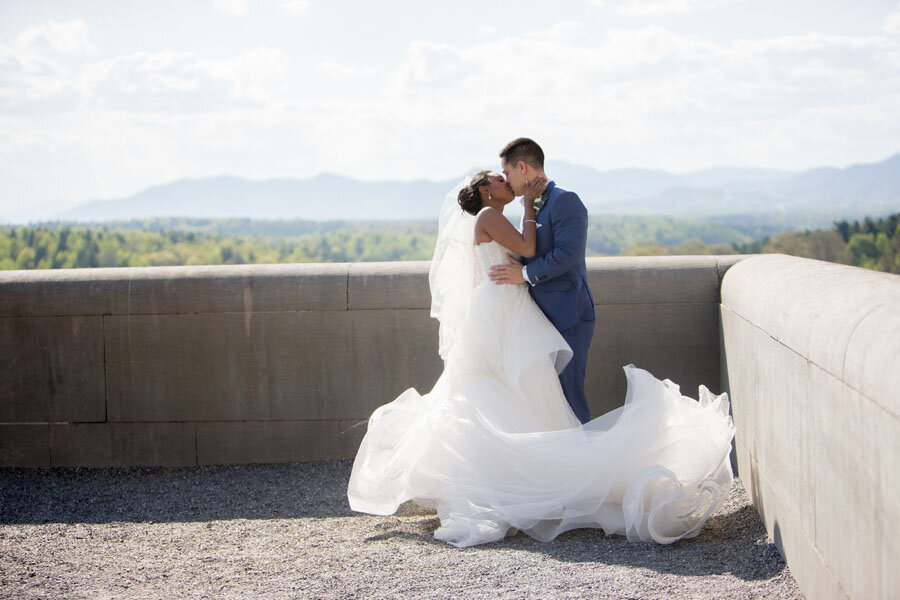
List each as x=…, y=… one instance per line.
x=488, y=214
x=483, y=223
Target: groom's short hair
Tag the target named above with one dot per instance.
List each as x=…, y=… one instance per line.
x=524, y=149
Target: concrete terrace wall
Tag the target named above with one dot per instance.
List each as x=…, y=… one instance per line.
x=812, y=354
x=258, y=363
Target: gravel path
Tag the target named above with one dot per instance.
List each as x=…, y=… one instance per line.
x=285, y=531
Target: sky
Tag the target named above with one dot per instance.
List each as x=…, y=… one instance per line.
x=103, y=99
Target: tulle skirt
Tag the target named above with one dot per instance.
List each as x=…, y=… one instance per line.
x=494, y=445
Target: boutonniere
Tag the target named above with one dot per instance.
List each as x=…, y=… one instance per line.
x=539, y=203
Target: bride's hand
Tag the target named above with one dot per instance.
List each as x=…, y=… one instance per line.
x=534, y=189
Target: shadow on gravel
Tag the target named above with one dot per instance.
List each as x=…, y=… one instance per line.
x=160, y=494
x=733, y=543
x=730, y=543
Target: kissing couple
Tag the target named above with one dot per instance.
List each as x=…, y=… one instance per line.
x=504, y=441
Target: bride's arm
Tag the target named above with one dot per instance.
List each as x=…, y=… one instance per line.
x=492, y=222
x=498, y=228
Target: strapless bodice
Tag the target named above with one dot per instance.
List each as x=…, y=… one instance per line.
x=490, y=254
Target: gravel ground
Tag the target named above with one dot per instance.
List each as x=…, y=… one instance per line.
x=285, y=531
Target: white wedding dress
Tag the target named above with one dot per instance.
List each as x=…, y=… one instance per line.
x=494, y=445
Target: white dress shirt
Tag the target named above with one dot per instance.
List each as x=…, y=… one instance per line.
x=522, y=228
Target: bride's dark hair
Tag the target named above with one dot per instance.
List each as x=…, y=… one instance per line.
x=470, y=197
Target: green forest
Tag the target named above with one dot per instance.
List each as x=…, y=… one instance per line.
x=871, y=243
x=159, y=242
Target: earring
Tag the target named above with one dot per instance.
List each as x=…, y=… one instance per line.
x=489, y=196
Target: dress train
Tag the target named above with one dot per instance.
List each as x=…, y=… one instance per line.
x=494, y=445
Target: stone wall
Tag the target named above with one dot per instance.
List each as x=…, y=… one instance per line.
x=258, y=363
x=812, y=360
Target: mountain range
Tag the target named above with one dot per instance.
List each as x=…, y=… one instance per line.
x=807, y=198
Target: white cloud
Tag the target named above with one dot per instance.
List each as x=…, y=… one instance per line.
x=645, y=96
x=260, y=75
x=428, y=63
x=234, y=7
x=184, y=82
x=167, y=81
x=648, y=8
x=296, y=6
x=59, y=38
x=566, y=30
x=38, y=73
x=34, y=84
x=892, y=22
x=633, y=91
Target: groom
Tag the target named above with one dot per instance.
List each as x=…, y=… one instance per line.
x=556, y=274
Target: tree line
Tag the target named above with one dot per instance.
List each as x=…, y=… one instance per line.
x=71, y=246
x=870, y=243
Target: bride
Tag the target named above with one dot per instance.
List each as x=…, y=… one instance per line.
x=494, y=447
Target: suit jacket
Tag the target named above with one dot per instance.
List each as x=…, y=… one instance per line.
x=557, y=269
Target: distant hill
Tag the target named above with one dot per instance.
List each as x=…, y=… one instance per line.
x=723, y=176
x=810, y=198
x=324, y=197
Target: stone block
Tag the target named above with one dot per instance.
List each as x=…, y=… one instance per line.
x=723, y=358
x=297, y=365
x=843, y=298
x=24, y=445
x=228, y=366
x=53, y=370
x=49, y=292
x=237, y=288
x=352, y=433
x=847, y=482
x=886, y=505
x=725, y=262
x=747, y=470
x=813, y=576
x=811, y=306
x=785, y=446
x=872, y=357
x=267, y=441
x=183, y=289
x=389, y=352
x=122, y=444
x=733, y=339
x=812, y=359
x=763, y=291
x=746, y=378
x=672, y=341
x=389, y=285
x=653, y=279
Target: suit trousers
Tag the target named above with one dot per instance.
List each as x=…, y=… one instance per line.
x=572, y=377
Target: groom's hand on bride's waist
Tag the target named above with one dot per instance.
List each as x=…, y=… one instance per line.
x=511, y=273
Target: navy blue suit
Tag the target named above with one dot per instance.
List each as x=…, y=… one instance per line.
x=559, y=284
